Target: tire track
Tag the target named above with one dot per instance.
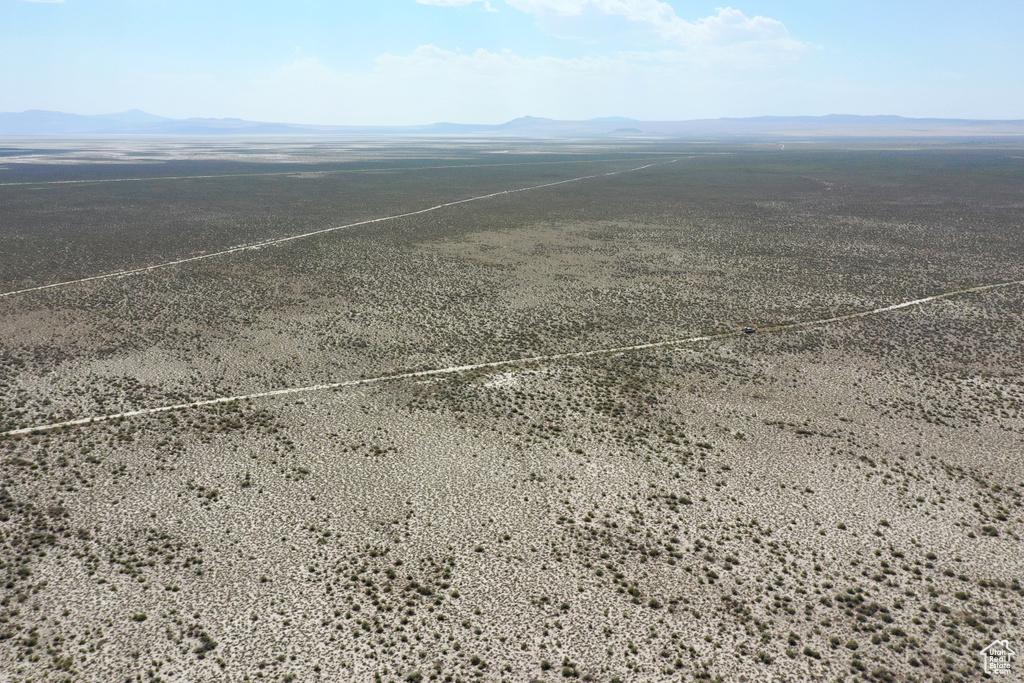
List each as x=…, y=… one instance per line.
x=323, y=231
x=458, y=369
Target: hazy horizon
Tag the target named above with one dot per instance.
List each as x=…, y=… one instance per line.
x=417, y=62
x=609, y=118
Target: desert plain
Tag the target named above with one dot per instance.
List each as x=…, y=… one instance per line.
x=529, y=439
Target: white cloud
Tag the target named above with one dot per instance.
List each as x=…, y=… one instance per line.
x=721, y=64
x=431, y=84
x=728, y=26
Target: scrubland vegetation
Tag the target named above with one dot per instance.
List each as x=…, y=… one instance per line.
x=838, y=503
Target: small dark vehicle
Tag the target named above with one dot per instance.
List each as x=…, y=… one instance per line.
x=749, y=330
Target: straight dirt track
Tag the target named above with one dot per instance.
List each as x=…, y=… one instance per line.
x=503, y=363
x=291, y=238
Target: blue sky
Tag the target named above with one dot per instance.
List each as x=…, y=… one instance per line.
x=420, y=61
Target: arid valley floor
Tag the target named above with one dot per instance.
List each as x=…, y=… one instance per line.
x=840, y=500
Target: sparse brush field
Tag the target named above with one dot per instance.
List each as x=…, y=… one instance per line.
x=842, y=502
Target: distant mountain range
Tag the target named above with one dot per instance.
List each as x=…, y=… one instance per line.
x=135, y=122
